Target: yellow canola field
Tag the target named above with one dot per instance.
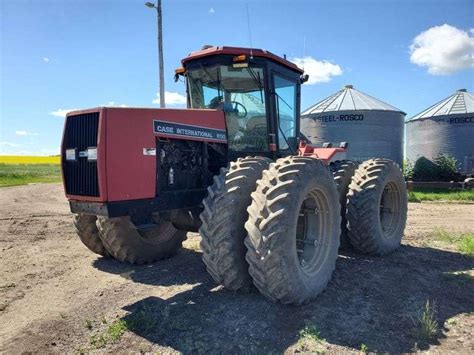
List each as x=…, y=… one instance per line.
x=25, y=159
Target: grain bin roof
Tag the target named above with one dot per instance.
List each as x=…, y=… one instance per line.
x=349, y=99
x=459, y=103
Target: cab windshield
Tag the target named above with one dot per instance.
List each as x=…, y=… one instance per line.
x=240, y=93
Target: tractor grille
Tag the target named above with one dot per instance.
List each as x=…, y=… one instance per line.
x=80, y=176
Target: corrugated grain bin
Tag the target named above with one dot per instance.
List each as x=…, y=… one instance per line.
x=444, y=128
x=373, y=129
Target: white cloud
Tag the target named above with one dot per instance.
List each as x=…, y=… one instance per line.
x=172, y=99
x=8, y=144
x=112, y=103
x=212, y=11
x=319, y=71
x=25, y=133
x=62, y=112
x=443, y=49
x=46, y=59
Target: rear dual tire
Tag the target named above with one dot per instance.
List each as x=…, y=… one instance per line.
x=377, y=205
x=342, y=172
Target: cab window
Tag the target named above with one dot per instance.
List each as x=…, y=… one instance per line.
x=285, y=99
x=240, y=93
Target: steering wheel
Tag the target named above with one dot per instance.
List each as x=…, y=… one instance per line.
x=235, y=109
x=231, y=106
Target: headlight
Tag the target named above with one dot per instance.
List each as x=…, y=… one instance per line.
x=92, y=154
x=70, y=154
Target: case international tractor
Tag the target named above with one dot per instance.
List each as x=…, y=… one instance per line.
x=270, y=207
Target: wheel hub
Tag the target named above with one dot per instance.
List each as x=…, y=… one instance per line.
x=312, y=231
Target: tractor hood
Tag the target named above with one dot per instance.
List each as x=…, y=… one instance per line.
x=109, y=154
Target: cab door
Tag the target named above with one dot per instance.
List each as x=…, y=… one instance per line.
x=285, y=99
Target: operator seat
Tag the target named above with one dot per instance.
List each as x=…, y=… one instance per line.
x=256, y=132
x=256, y=122
x=232, y=124
x=231, y=120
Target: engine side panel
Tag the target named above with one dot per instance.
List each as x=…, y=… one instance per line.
x=131, y=142
x=188, y=165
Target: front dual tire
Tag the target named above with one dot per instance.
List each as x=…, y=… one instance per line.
x=142, y=244
x=88, y=233
x=293, y=230
x=121, y=239
x=222, y=229
x=291, y=233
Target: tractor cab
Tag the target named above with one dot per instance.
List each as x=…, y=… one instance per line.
x=258, y=91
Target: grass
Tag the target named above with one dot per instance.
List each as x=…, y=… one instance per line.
x=88, y=324
x=445, y=195
x=364, y=348
x=426, y=326
x=22, y=174
x=464, y=242
x=142, y=321
x=111, y=335
x=451, y=321
x=310, y=339
x=310, y=332
x=24, y=159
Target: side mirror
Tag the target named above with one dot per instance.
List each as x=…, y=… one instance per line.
x=178, y=72
x=304, y=78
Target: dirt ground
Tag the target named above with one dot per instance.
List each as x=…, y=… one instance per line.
x=56, y=296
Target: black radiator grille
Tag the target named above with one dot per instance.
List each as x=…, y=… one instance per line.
x=81, y=175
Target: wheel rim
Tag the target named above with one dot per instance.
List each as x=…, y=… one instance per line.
x=313, y=232
x=389, y=211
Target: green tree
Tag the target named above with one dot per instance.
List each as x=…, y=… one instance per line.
x=442, y=168
x=447, y=167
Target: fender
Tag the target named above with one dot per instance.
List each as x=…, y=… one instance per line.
x=326, y=155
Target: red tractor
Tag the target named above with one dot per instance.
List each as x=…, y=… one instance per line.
x=270, y=207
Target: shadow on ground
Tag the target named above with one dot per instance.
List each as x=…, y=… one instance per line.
x=371, y=300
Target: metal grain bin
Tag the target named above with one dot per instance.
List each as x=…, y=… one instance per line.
x=444, y=128
x=373, y=129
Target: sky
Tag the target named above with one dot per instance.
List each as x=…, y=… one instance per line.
x=57, y=55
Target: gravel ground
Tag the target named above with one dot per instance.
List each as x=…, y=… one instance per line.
x=56, y=296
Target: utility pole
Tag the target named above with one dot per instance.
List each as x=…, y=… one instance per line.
x=161, y=78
